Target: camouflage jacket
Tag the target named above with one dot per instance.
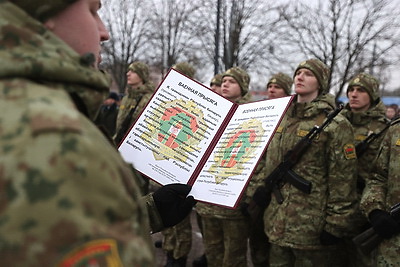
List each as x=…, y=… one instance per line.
x=135, y=99
x=383, y=190
x=364, y=124
x=329, y=164
x=208, y=210
x=66, y=195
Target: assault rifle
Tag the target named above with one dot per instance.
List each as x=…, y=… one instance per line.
x=369, y=239
x=362, y=147
x=283, y=172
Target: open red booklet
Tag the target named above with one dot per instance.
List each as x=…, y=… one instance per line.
x=192, y=135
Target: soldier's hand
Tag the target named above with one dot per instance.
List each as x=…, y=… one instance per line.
x=383, y=224
x=262, y=197
x=173, y=204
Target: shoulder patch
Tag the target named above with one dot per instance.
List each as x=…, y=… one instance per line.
x=280, y=129
x=349, y=151
x=102, y=252
x=360, y=137
x=398, y=142
x=302, y=133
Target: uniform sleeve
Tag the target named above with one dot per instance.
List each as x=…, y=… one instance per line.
x=342, y=164
x=374, y=194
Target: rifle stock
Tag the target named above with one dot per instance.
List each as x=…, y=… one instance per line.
x=369, y=239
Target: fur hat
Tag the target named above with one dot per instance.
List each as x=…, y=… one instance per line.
x=241, y=76
x=283, y=80
x=320, y=70
x=42, y=9
x=368, y=82
x=140, y=69
x=185, y=68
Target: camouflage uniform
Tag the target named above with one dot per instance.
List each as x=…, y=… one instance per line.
x=177, y=240
x=295, y=227
x=364, y=124
x=258, y=241
x=136, y=98
x=225, y=231
x=383, y=190
x=65, y=191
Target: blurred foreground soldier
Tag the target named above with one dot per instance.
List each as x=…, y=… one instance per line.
x=225, y=231
x=279, y=85
x=366, y=112
x=67, y=197
x=177, y=240
x=107, y=116
x=307, y=229
x=139, y=91
x=382, y=191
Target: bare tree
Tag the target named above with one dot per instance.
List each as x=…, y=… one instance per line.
x=172, y=37
x=350, y=36
x=127, y=23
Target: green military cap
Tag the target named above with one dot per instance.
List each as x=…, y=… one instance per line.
x=368, y=82
x=241, y=76
x=42, y=9
x=320, y=70
x=185, y=68
x=283, y=80
x=140, y=69
x=216, y=80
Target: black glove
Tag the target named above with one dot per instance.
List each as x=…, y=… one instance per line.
x=383, y=224
x=262, y=197
x=327, y=239
x=172, y=203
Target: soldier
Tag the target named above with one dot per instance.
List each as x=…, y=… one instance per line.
x=216, y=82
x=225, y=231
x=67, y=197
x=366, y=112
x=383, y=191
x=177, y=240
x=139, y=91
x=279, y=85
x=307, y=229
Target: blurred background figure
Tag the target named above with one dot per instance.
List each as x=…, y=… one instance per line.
x=108, y=113
x=392, y=111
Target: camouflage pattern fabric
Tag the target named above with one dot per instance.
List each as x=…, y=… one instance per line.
x=320, y=70
x=329, y=164
x=365, y=123
x=225, y=241
x=136, y=99
x=65, y=191
x=383, y=191
x=369, y=83
x=178, y=239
